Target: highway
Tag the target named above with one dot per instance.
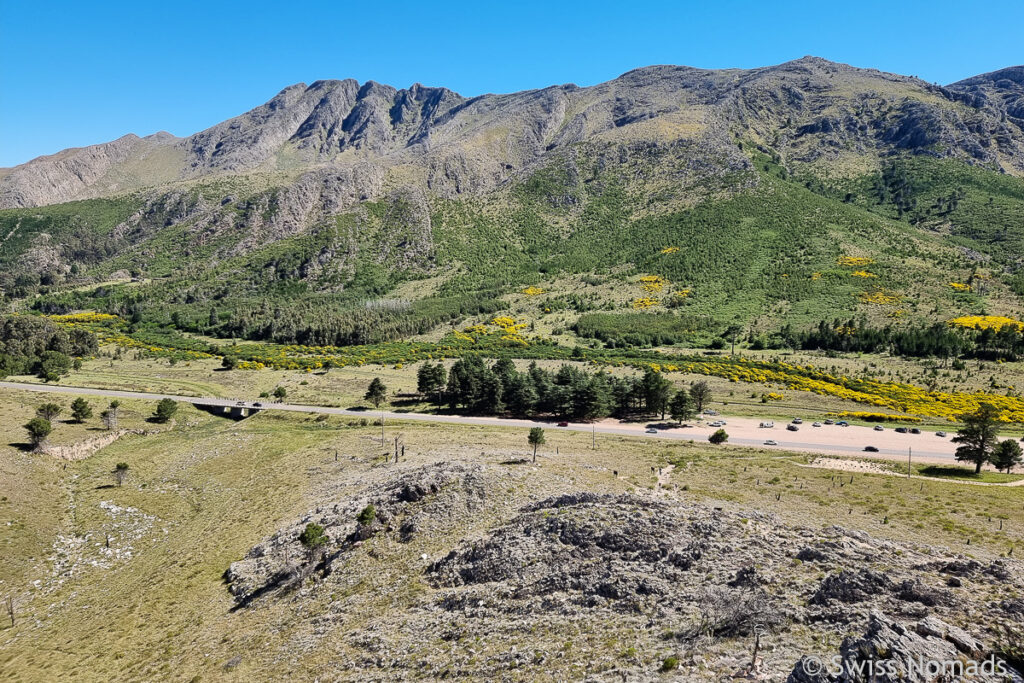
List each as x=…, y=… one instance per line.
x=829, y=439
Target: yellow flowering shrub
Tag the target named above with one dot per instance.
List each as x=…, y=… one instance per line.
x=875, y=417
x=643, y=303
x=855, y=261
x=533, y=291
x=985, y=322
x=508, y=325
x=87, y=317
x=669, y=250
x=879, y=297
x=652, y=283
x=960, y=286
x=862, y=273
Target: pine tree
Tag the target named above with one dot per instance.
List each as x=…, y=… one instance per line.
x=682, y=406
x=535, y=438
x=81, y=410
x=376, y=393
x=700, y=392
x=978, y=436
x=1007, y=455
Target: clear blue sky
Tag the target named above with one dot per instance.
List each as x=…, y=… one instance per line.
x=79, y=73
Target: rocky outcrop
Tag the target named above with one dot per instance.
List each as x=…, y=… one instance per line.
x=670, y=575
x=890, y=651
x=809, y=109
x=84, y=449
x=409, y=505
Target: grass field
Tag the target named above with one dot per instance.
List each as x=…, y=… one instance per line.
x=154, y=606
x=346, y=387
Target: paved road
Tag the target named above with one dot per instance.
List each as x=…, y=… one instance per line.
x=851, y=442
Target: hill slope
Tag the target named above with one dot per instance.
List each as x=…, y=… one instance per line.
x=333, y=195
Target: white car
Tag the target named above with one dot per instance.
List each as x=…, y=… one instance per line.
x=770, y=442
x=816, y=424
x=651, y=430
x=879, y=428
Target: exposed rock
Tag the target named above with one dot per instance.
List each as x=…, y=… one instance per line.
x=412, y=501
x=851, y=586
x=455, y=145
x=891, y=652
x=674, y=575
x=84, y=449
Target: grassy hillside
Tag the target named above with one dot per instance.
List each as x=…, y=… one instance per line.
x=975, y=207
x=761, y=251
x=154, y=604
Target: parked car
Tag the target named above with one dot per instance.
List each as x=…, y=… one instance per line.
x=870, y=449
x=879, y=428
x=830, y=422
x=792, y=428
x=240, y=403
x=710, y=412
x=563, y=424
x=915, y=430
x=258, y=404
x=843, y=423
x=901, y=430
x=943, y=434
x=767, y=425
x=770, y=442
x=816, y=424
x=797, y=421
x=651, y=430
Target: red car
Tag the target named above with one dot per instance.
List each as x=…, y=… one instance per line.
x=563, y=424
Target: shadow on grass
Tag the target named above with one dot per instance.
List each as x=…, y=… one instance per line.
x=26, y=447
x=949, y=472
x=406, y=403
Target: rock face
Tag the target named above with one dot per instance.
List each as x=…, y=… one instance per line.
x=406, y=506
x=665, y=574
x=812, y=109
x=891, y=652
x=618, y=551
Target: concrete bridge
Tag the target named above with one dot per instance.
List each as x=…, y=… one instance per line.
x=222, y=409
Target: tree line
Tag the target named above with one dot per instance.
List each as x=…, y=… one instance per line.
x=472, y=386
x=34, y=345
x=938, y=340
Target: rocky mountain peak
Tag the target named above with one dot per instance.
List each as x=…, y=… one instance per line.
x=810, y=109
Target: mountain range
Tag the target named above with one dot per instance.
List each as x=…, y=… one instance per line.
x=346, y=189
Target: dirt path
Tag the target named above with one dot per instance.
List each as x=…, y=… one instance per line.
x=664, y=478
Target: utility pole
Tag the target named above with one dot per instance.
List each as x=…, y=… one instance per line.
x=910, y=454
